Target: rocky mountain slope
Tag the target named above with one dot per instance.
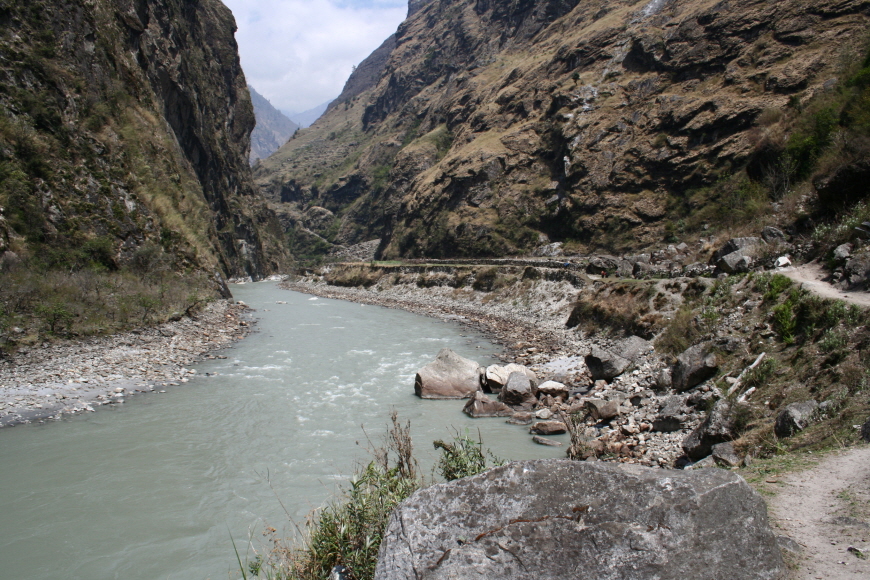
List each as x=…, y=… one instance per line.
x=272, y=130
x=124, y=131
x=494, y=128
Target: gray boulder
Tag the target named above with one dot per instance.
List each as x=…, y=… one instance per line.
x=795, y=417
x=735, y=263
x=694, y=366
x=607, y=364
x=601, y=410
x=554, y=389
x=718, y=427
x=747, y=245
x=449, y=376
x=496, y=376
x=548, y=428
x=544, y=441
x=556, y=518
x=724, y=454
x=603, y=265
x=482, y=406
x=519, y=392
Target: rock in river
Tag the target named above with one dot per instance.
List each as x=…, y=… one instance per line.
x=482, y=406
x=556, y=518
x=449, y=376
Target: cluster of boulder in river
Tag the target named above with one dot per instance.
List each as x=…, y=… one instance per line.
x=622, y=403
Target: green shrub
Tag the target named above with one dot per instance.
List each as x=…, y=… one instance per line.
x=785, y=322
x=464, y=457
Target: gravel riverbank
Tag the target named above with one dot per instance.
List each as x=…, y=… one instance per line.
x=75, y=376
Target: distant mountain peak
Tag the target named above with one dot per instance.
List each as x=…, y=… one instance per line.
x=273, y=127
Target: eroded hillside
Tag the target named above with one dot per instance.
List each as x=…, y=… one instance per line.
x=497, y=127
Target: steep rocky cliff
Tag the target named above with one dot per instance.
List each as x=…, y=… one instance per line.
x=495, y=127
x=272, y=130
x=125, y=124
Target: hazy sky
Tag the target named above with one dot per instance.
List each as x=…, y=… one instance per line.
x=299, y=53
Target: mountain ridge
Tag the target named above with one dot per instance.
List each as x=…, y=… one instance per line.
x=495, y=128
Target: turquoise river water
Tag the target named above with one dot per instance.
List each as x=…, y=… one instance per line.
x=157, y=487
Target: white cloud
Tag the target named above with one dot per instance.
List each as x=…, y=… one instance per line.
x=299, y=53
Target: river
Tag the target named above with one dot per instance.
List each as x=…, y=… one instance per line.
x=157, y=487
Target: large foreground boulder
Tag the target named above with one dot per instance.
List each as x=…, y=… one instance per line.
x=449, y=376
x=556, y=518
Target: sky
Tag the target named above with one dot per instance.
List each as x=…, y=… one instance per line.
x=299, y=53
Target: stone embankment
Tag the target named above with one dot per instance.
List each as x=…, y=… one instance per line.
x=54, y=379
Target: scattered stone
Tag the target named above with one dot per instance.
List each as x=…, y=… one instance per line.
x=673, y=415
x=543, y=414
x=789, y=545
x=521, y=418
x=795, y=417
x=843, y=252
x=782, y=262
x=449, y=376
x=705, y=463
x=544, y=518
x=483, y=406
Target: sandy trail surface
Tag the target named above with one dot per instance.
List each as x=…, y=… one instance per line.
x=826, y=510
x=811, y=276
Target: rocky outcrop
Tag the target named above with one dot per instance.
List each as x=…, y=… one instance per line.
x=568, y=519
x=449, y=376
x=498, y=128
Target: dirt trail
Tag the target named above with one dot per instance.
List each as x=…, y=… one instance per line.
x=826, y=510
x=811, y=276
